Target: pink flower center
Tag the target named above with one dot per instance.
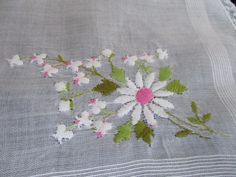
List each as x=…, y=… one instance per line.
x=92, y=101
x=144, y=96
x=99, y=134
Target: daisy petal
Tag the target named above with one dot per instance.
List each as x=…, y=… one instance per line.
x=149, y=116
x=158, y=85
x=130, y=84
x=126, y=91
x=126, y=109
x=139, y=80
x=149, y=80
x=162, y=93
x=158, y=110
x=164, y=103
x=124, y=99
x=136, y=114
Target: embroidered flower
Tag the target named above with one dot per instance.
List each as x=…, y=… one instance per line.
x=162, y=54
x=15, y=61
x=107, y=53
x=147, y=58
x=101, y=128
x=146, y=97
x=130, y=60
x=64, y=105
x=80, y=78
x=62, y=134
x=48, y=70
x=83, y=121
x=96, y=105
x=60, y=86
x=74, y=65
x=38, y=58
x=93, y=62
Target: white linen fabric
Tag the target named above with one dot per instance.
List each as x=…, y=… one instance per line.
x=200, y=36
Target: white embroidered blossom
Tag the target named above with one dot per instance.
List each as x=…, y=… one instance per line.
x=15, y=61
x=144, y=96
x=61, y=134
x=60, y=86
x=93, y=62
x=80, y=79
x=130, y=60
x=96, y=105
x=107, y=53
x=83, y=121
x=101, y=128
x=162, y=54
x=147, y=58
x=48, y=70
x=74, y=65
x=38, y=58
x=64, y=105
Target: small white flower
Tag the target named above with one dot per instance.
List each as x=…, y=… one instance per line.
x=147, y=58
x=162, y=54
x=107, y=53
x=62, y=134
x=144, y=96
x=102, y=128
x=130, y=60
x=60, y=86
x=83, y=121
x=93, y=62
x=64, y=105
x=38, y=58
x=74, y=65
x=48, y=70
x=96, y=105
x=80, y=78
x=15, y=61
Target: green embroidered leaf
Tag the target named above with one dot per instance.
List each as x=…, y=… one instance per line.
x=118, y=74
x=206, y=117
x=176, y=87
x=112, y=57
x=124, y=132
x=165, y=73
x=194, y=107
x=144, y=132
x=144, y=67
x=72, y=105
x=60, y=58
x=68, y=86
x=106, y=87
x=183, y=133
x=194, y=120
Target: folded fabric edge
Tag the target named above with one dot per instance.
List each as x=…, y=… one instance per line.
x=230, y=9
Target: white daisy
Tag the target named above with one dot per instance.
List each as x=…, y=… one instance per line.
x=130, y=60
x=74, y=65
x=93, y=62
x=107, y=53
x=96, y=105
x=144, y=97
x=60, y=86
x=80, y=78
x=48, y=70
x=101, y=128
x=162, y=54
x=38, y=58
x=147, y=58
x=62, y=134
x=15, y=61
x=83, y=121
x=64, y=106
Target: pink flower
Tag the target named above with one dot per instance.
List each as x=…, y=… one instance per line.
x=99, y=134
x=48, y=70
x=96, y=105
x=80, y=78
x=74, y=65
x=93, y=62
x=38, y=58
x=101, y=128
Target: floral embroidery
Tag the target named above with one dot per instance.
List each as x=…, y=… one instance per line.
x=145, y=99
